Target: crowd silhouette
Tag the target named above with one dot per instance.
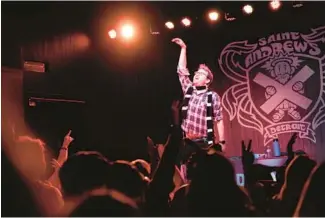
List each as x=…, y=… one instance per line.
x=88, y=184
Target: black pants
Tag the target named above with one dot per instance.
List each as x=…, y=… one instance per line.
x=193, y=146
x=188, y=148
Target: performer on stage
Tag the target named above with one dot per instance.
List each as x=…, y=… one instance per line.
x=201, y=110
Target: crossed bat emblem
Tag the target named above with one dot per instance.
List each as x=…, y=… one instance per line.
x=285, y=92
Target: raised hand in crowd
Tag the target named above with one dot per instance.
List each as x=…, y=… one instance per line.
x=63, y=155
x=247, y=154
x=57, y=163
x=67, y=140
x=290, y=151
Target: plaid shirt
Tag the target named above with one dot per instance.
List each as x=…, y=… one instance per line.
x=195, y=123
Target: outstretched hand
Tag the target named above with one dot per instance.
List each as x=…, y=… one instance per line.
x=67, y=140
x=150, y=142
x=290, y=144
x=179, y=42
x=247, y=154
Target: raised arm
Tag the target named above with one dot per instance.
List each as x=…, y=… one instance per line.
x=182, y=62
x=63, y=156
x=182, y=70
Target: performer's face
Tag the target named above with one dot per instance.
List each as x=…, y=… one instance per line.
x=200, y=78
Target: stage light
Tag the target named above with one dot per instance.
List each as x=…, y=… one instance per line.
x=112, y=34
x=275, y=4
x=169, y=25
x=213, y=15
x=127, y=31
x=186, y=22
x=248, y=9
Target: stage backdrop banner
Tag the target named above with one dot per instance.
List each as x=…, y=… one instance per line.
x=278, y=85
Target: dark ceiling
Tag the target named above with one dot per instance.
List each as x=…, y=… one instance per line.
x=30, y=21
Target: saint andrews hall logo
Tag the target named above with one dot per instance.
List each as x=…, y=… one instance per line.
x=280, y=83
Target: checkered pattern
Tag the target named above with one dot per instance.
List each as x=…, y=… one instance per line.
x=195, y=123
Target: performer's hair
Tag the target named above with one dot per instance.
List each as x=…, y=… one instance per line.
x=207, y=69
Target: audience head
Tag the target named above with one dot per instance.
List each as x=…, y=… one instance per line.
x=84, y=172
x=203, y=164
x=104, y=206
x=213, y=190
x=296, y=175
x=30, y=157
x=127, y=179
x=312, y=199
x=18, y=200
